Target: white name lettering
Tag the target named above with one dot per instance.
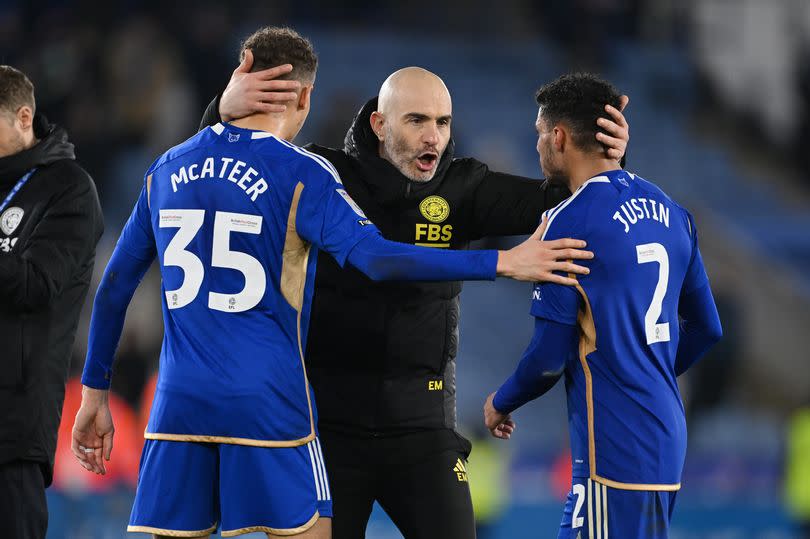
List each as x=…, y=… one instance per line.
x=250, y=182
x=632, y=212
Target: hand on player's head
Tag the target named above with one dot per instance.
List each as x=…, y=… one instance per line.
x=616, y=126
x=257, y=92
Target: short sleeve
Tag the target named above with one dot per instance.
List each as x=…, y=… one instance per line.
x=137, y=237
x=327, y=216
x=696, y=272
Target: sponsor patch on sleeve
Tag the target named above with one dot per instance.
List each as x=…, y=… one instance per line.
x=351, y=203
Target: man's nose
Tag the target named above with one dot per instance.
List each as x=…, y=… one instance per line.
x=431, y=134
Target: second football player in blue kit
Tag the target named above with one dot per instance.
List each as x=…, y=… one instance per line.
x=616, y=337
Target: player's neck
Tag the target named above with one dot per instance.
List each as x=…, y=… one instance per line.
x=276, y=124
x=584, y=169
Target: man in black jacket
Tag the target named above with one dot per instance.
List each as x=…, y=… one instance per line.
x=50, y=222
x=381, y=356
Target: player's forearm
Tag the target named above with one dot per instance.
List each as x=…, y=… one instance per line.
x=700, y=328
x=383, y=260
x=121, y=278
x=540, y=368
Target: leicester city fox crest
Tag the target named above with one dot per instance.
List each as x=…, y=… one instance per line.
x=10, y=220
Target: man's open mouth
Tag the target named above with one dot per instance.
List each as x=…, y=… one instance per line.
x=426, y=161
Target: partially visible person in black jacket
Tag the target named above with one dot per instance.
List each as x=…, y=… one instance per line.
x=50, y=223
x=381, y=356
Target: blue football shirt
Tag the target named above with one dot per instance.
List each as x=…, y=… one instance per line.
x=231, y=214
x=626, y=417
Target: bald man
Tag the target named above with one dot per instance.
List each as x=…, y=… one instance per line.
x=381, y=356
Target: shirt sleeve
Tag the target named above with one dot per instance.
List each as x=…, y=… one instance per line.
x=211, y=114
x=696, y=272
x=700, y=327
x=541, y=366
x=130, y=260
x=383, y=260
x=138, y=238
x=327, y=216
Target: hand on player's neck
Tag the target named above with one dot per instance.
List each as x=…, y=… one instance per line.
x=586, y=166
x=282, y=125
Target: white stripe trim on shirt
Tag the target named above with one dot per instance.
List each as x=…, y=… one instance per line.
x=605, y=507
x=562, y=205
x=314, y=471
x=598, y=505
x=323, y=469
x=321, y=475
x=589, y=499
x=325, y=163
x=322, y=161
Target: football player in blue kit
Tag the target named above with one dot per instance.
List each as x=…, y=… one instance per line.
x=233, y=215
x=615, y=337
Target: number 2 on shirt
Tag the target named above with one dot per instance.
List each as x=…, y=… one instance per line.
x=655, y=252
x=189, y=223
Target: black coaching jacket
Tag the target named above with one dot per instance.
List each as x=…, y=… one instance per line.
x=381, y=356
x=48, y=236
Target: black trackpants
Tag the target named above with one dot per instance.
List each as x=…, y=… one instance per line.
x=23, y=510
x=419, y=479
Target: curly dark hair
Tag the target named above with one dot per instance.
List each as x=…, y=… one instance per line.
x=276, y=45
x=16, y=90
x=578, y=99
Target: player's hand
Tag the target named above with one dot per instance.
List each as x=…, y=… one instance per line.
x=92, y=438
x=500, y=425
x=616, y=126
x=535, y=260
x=248, y=93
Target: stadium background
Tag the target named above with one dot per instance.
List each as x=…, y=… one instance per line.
x=719, y=116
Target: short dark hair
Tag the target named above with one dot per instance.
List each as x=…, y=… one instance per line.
x=276, y=45
x=16, y=90
x=578, y=100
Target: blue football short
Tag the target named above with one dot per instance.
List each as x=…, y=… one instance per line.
x=596, y=511
x=188, y=489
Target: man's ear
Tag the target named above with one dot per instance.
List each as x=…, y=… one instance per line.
x=377, y=122
x=25, y=116
x=560, y=138
x=304, y=97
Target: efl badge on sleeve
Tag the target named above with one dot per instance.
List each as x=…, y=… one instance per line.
x=11, y=219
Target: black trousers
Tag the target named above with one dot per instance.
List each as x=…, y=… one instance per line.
x=419, y=479
x=23, y=510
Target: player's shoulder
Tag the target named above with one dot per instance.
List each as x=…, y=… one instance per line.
x=311, y=161
x=570, y=216
x=179, y=150
x=653, y=189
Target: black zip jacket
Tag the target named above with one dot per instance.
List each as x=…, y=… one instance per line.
x=48, y=236
x=381, y=355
